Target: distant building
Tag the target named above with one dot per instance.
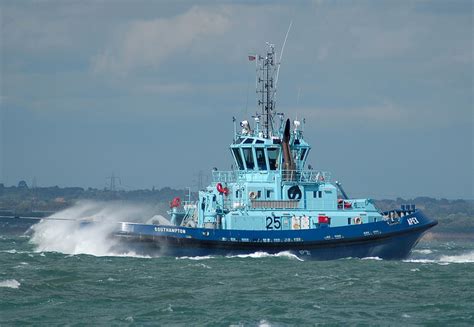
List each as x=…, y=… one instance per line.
x=22, y=185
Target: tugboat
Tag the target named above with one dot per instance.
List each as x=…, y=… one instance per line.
x=272, y=202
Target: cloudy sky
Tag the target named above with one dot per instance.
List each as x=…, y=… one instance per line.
x=147, y=90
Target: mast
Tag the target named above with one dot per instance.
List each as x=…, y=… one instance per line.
x=266, y=70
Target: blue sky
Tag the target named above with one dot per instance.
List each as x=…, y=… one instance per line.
x=147, y=90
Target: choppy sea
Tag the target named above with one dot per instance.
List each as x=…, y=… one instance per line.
x=435, y=286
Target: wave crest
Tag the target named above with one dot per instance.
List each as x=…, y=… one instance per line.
x=461, y=258
x=259, y=254
x=10, y=283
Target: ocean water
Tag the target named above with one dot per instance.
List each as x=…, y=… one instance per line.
x=43, y=282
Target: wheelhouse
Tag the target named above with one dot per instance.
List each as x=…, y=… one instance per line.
x=259, y=154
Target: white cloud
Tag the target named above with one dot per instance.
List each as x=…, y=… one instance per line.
x=148, y=43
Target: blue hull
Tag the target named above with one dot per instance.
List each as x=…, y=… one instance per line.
x=384, y=239
x=380, y=239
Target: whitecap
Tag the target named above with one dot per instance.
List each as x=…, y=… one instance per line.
x=372, y=258
x=169, y=309
x=195, y=258
x=10, y=283
x=258, y=255
x=21, y=265
x=251, y=255
x=447, y=259
x=129, y=255
x=264, y=323
x=289, y=255
x=461, y=258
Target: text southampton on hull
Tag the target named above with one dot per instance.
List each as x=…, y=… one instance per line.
x=270, y=202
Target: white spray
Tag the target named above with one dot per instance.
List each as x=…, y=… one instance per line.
x=66, y=232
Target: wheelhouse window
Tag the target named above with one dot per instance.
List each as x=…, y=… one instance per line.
x=303, y=152
x=261, y=162
x=238, y=158
x=273, y=155
x=248, y=157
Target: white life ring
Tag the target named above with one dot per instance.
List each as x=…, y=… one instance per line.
x=253, y=195
x=357, y=220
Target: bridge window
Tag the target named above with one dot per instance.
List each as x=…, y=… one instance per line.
x=317, y=194
x=269, y=194
x=248, y=157
x=261, y=162
x=303, y=152
x=238, y=158
x=273, y=155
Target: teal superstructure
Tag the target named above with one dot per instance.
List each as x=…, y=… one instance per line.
x=271, y=186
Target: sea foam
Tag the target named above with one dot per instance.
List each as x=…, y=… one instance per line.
x=461, y=258
x=10, y=283
x=257, y=255
x=446, y=259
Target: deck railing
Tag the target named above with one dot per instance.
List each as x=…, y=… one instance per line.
x=302, y=176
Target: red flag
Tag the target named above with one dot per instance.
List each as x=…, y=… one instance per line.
x=252, y=58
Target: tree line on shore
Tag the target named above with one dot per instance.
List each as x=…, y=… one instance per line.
x=453, y=215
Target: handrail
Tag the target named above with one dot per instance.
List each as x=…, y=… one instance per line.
x=301, y=176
